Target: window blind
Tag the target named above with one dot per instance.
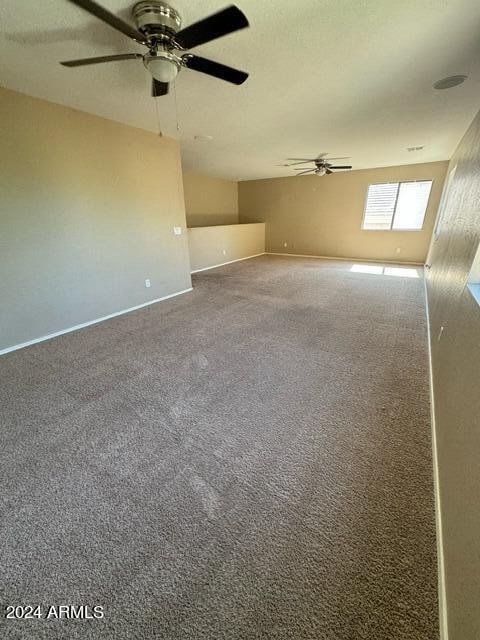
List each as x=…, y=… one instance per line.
x=380, y=206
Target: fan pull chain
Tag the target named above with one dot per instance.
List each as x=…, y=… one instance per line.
x=176, y=107
x=160, y=133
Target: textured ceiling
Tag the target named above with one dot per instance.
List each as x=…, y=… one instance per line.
x=349, y=77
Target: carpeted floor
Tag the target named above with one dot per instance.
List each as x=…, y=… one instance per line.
x=250, y=460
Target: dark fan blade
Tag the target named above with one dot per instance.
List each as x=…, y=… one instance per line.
x=328, y=171
x=84, y=61
x=159, y=88
x=212, y=68
x=112, y=20
x=220, y=24
x=304, y=172
x=341, y=167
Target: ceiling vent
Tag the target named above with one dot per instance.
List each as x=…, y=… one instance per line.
x=448, y=83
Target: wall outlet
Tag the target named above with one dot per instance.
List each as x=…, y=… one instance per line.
x=177, y=231
x=224, y=251
x=285, y=245
x=397, y=250
x=148, y=284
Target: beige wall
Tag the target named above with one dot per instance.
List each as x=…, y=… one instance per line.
x=456, y=385
x=80, y=228
x=210, y=201
x=211, y=246
x=323, y=215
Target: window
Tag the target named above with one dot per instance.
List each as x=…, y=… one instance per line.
x=396, y=206
x=474, y=276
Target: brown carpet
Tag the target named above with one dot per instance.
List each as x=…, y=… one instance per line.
x=250, y=460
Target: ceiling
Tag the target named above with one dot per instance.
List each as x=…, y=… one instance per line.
x=348, y=77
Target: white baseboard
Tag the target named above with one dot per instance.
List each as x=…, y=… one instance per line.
x=304, y=255
x=22, y=345
x=214, y=266
x=442, y=596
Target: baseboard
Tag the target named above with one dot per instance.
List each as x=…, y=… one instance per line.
x=214, y=266
x=304, y=255
x=442, y=599
x=22, y=345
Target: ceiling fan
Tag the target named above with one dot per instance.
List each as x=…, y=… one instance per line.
x=159, y=29
x=323, y=165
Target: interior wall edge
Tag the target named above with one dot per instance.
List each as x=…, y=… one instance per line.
x=217, y=245
x=442, y=595
x=89, y=323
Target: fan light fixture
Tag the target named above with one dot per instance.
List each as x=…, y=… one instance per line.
x=163, y=66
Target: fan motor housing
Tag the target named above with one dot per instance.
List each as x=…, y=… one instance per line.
x=156, y=17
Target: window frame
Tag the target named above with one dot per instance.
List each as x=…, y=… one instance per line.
x=399, y=182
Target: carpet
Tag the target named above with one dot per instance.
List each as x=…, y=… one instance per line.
x=248, y=460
